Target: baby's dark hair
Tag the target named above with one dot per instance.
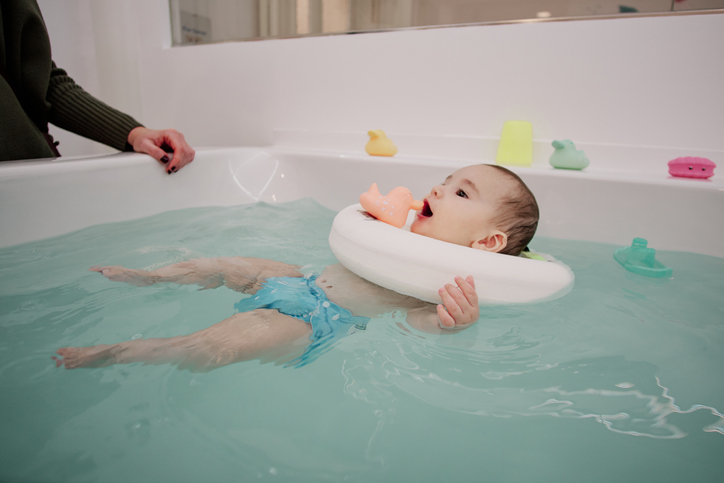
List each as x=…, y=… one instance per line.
x=517, y=215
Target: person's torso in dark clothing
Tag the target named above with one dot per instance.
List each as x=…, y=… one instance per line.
x=25, y=65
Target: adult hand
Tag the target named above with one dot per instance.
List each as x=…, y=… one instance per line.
x=153, y=142
x=459, y=308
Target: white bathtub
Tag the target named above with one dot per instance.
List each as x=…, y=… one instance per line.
x=46, y=198
x=528, y=394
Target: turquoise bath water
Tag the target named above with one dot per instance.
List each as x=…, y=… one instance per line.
x=619, y=380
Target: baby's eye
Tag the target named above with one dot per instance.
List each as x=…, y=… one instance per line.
x=461, y=193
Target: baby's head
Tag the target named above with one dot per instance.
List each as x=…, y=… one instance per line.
x=483, y=206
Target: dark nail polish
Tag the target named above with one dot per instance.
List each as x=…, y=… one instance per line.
x=164, y=160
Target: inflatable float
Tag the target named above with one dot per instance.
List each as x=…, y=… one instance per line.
x=418, y=266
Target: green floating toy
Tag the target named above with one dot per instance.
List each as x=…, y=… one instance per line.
x=566, y=156
x=640, y=259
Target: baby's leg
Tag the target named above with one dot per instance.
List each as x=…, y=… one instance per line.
x=238, y=273
x=261, y=334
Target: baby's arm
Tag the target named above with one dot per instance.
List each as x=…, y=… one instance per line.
x=459, y=309
x=238, y=273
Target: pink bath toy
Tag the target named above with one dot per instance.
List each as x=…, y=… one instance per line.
x=691, y=167
x=392, y=208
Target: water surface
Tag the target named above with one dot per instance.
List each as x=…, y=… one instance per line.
x=618, y=380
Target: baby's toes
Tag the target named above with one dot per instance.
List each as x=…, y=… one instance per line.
x=69, y=357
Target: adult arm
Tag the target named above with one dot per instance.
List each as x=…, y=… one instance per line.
x=75, y=110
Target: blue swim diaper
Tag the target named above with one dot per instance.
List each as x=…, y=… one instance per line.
x=302, y=299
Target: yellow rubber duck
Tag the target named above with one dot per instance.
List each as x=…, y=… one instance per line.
x=379, y=145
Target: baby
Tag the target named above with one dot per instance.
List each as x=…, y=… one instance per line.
x=294, y=318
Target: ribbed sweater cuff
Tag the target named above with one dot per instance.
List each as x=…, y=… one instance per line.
x=73, y=109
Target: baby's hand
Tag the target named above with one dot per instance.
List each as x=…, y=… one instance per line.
x=117, y=273
x=459, y=308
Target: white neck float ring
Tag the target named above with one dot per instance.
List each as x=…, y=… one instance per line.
x=418, y=266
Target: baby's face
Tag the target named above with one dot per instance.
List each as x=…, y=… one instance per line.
x=460, y=210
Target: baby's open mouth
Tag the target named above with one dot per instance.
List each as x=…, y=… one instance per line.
x=426, y=211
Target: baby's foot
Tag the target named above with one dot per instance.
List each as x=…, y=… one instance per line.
x=75, y=357
x=117, y=273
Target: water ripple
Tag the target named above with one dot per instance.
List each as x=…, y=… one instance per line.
x=534, y=385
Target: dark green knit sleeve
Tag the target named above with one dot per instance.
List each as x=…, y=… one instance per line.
x=73, y=109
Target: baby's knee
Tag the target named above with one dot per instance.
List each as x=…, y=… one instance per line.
x=226, y=356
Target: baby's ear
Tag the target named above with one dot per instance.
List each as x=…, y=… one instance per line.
x=492, y=243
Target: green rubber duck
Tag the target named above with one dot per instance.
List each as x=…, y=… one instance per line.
x=566, y=156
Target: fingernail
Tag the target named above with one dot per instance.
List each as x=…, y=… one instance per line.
x=165, y=160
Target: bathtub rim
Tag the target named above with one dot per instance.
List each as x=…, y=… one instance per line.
x=148, y=168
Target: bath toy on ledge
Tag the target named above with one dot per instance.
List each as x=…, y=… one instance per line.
x=379, y=145
x=391, y=209
x=516, y=144
x=640, y=259
x=566, y=156
x=691, y=167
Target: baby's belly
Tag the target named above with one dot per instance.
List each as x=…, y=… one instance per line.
x=359, y=296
